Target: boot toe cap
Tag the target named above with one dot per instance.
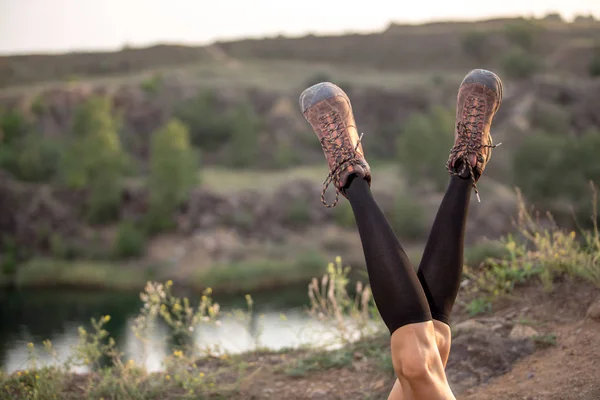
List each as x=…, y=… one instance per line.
x=319, y=92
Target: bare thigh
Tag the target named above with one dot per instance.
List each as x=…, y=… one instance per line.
x=442, y=335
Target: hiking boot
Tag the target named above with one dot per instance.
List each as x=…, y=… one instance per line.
x=479, y=97
x=328, y=110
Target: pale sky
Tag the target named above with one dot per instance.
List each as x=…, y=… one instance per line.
x=65, y=25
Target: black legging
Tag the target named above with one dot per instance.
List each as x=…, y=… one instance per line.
x=401, y=295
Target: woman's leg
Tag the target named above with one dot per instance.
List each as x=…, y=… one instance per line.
x=394, y=283
x=395, y=286
x=401, y=302
x=440, y=271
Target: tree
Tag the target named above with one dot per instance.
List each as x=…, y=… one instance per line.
x=173, y=172
x=425, y=142
x=94, y=159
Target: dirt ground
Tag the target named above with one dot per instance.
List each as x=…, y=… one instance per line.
x=536, y=345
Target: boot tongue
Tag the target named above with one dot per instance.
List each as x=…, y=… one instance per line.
x=462, y=169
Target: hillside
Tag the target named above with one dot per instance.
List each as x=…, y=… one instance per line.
x=434, y=47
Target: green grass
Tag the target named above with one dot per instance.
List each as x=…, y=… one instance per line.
x=226, y=180
x=260, y=274
x=375, y=348
x=81, y=274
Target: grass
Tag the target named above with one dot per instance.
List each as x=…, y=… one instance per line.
x=227, y=181
x=82, y=274
x=237, y=277
x=375, y=348
x=246, y=276
x=540, y=251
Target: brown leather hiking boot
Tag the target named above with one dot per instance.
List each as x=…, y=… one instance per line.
x=479, y=97
x=328, y=110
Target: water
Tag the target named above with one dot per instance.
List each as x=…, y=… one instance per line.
x=279, y=321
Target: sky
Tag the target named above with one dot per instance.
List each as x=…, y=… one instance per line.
x=50, y=26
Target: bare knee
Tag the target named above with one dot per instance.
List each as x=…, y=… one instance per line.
x=414, y=349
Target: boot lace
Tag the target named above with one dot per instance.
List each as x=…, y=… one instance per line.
x=469, y=142
x=345, y=156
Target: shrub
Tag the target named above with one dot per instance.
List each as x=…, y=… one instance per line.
x=550, y=169
x=37, y=158
x=245, y=128
x=209, y=128
x=94, y=160
x=343, y=215
x=549, y=117
x=173, y=172
x=523, y=34
x=425, y=140
x=12, y=126
x=152, y=84
x=544, y=251
x=299, y=213
x=594, y=66
x=408, y=218
x=475, y=44
x=9, y=258
x=130, y=241
x=519, y=64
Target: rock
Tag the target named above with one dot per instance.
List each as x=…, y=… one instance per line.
x=523, y=332
x=467, y=326
x=593, y=311
x=318, y=394
x=380, y=384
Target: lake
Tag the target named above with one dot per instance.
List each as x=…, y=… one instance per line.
x=279, y=321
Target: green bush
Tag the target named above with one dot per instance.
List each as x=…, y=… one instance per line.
x=209, y=128
x=523, y=34
x=409, y=218
x=343, y=214
x=12, y=127
x=519, y=64
x=594, y=66
x=549, y=117
x=424, y=145
x=130, y=241
x=285, y=154
x=152, y=84
x=9, y=258
x=475, y=44
x=245, y=128
x=299, y=213
x=94, y=159
x=31, y=158
x=173, y=172
x=551, y=169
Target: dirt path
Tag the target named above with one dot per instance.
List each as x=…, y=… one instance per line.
x=569, y=370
